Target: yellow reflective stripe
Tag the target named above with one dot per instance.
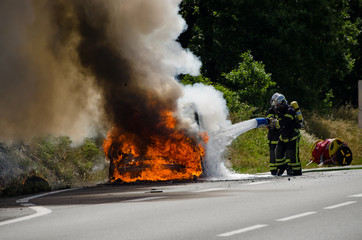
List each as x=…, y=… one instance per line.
x=277, y=125
x=297, y=152
x=270, y=115
x=297, y=167
x=296, y=137
x=280, y=161
x=295, y=164
x=289, y=116
x=289, y=140
x=273, y=142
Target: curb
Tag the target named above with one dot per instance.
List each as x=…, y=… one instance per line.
x=324, y=169
x=340, y=168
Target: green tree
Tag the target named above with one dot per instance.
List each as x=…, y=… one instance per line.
x=244, y=87
x=306, y=45
x=250, y=81
x=350, y=96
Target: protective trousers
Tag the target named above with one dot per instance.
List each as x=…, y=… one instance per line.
x=272, y=158
x=287, y=157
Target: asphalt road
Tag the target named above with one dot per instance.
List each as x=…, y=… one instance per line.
x=317, y=205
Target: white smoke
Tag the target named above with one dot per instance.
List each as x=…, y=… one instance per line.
x=212, y=117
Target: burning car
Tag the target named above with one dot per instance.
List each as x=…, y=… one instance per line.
x=173, y=153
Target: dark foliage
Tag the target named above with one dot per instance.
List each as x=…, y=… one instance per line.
x=312, y=48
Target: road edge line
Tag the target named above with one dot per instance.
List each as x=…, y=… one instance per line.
x=39, y=210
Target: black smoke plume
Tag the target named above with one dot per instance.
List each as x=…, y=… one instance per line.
x=79, y=67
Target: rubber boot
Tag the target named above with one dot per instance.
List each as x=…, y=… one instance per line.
x=282, y=169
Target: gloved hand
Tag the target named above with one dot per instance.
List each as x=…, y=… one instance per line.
x=271, y=123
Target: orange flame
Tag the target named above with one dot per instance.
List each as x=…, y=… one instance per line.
x=175, y=156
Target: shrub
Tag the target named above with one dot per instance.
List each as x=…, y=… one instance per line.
x=250, y=81
x=60, y=163
x=14, y=187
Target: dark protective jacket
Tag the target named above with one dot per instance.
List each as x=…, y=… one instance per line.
x=273, y=133
x=287, y=123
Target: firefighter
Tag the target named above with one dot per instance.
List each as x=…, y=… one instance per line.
x=273, y=135
x=287, y=149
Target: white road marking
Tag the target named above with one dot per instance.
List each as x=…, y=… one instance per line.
x=27, y=199
x=144, y=199
x=228, y=234
x=256, y=183
x=340, y=205
x=39, y=211
x=210, y=190
x=296, y=216
x=356, y=195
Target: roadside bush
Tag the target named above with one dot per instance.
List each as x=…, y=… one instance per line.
x=57, y=161
x=67, y=165
x=25, y=185
x=250, y=81
x=13, y=187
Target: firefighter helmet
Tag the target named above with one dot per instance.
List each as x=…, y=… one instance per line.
x=280, y=101
x=275, y=95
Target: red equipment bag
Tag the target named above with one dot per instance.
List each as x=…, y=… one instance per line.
x=331, y=151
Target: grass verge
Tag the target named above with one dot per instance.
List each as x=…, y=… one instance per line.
x=249, y=153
